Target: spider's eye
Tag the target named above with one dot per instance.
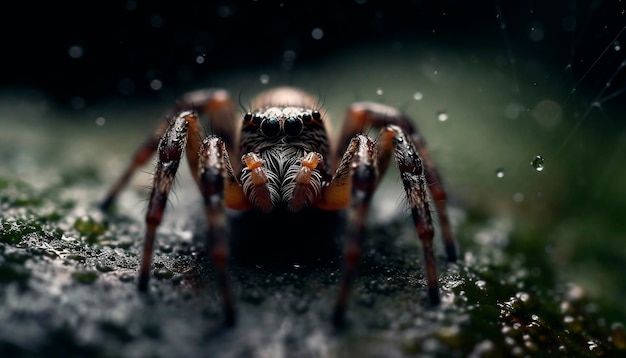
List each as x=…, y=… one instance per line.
x=316, y=115
x=270, y=127
x=293, y=126
x=257, y=118
x=247, y=117
x=306, y=117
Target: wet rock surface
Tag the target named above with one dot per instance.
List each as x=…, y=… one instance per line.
x=68, y=288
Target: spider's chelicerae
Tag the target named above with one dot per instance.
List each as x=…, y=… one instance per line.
x=285, y=165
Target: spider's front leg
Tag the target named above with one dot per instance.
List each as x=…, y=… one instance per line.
x=359, y=173
x=363, y=115
x=219, y=187
x=354, y=182
x=213, y=103
x=212, y=170
x=170, y=151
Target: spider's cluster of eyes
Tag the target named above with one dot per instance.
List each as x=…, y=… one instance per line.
x=270, y=123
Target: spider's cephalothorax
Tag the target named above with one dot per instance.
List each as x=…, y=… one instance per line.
x=288, y=164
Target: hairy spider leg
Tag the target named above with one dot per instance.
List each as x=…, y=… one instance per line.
x=367, y=162
x=364, y=115
x=354, y=183
x=140, y=158
x=211, y=167
x=219, y=186
x=170, y=151
x=412, y=172
x=215, y=104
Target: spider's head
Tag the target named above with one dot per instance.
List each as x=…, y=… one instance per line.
x=285, y=148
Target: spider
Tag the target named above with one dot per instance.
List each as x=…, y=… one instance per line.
x=288, y=168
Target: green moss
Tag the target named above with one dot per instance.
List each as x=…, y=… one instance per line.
x=12, y=232
x=85, y=277
x=91, y=228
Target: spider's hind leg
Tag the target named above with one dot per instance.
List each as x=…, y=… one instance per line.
x=145, y=151
x=213, y=103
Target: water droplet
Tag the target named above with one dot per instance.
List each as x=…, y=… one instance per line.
x=513, y=110
x=535, y=31
x=418, y=96
x=224, y=12
x=379, y=91
x=500, y=173
x=442, y=115
x=617, y=46
x=289, y=55
x=156, y=21
x=518, y=197
x=594, y=347
x=537, y=163
x=100, y=121
x=265, y=79
x=317, y=33
x=547, y=113
x=524, y=297
x=200, y=59
x=75, y=52
x=156, y=84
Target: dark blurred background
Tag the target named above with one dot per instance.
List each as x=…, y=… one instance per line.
x=77, y=51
